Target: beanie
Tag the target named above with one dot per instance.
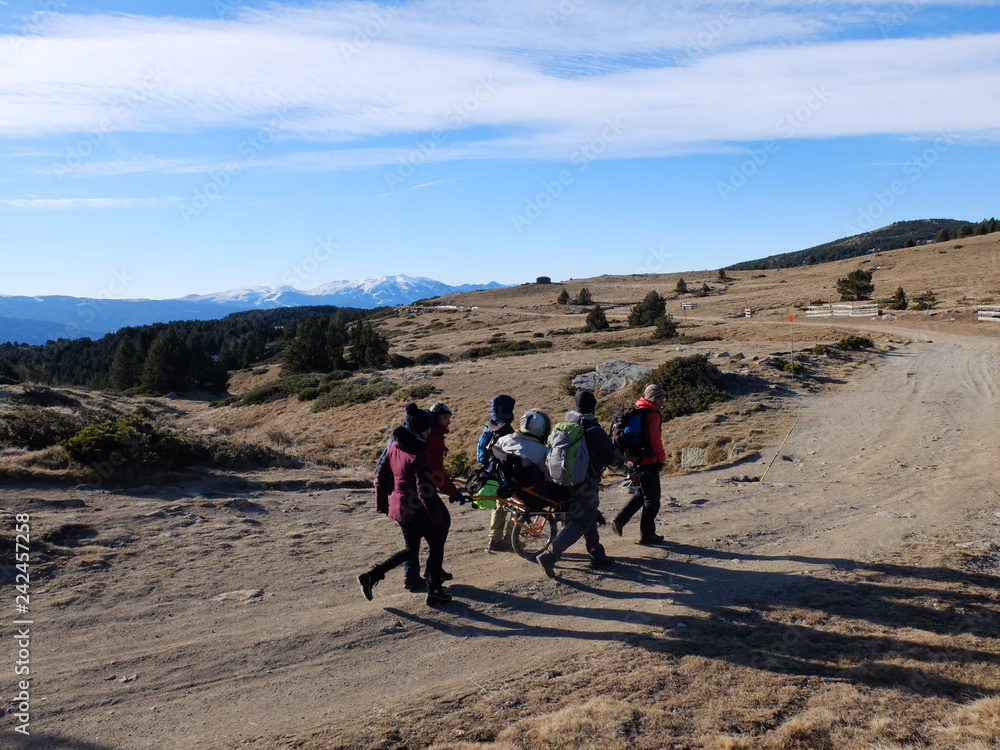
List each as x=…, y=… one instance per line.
x=585, y=402
x=653, y=391
x=417, y=420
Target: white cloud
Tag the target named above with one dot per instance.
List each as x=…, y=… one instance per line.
x=70, y=204
x=541, y=78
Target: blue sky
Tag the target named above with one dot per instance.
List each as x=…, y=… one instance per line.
x=157, y=150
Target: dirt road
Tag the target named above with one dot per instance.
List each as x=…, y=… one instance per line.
x=181, y=622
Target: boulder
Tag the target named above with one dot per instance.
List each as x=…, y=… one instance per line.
x=611, y=376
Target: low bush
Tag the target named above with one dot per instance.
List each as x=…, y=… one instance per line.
x=498, y=348
x=692, y=385
x=309, y=394
x=36, y=427
x=458, y=465
x=423, y=390
x=820, y=350
x=430, y=358
x=275, y=390
x=129, y=445
x=359, y=391
x=854, y=341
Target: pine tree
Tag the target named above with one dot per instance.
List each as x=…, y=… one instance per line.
x=681, y=287
x=126, y=369
x=898, y=301
x=167, y=367
x=584, y=297
x=563, y=298
x=596, y=320
x=645, y=313
x=666, y=328
x=857, y=285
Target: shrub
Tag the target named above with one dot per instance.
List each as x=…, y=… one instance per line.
x=35, y=427
x=430, y=358
x=129, y=445
x=458, y=465
x=692, y=384
x=309, y=394
x=925, y=301
x=666, y=327
x=563, y=298
x=398, y=360
x=423, y=390
x=504, y=348
x=584, y=297
x=820, y=350
x=566, y=386
x=853, y=341
x=275, y=390
x=681, y=287
x=354, y=392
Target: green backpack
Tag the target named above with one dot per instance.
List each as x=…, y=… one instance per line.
x=568, y=459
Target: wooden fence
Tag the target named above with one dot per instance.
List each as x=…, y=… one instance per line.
x=989, y=312
x=845, y=310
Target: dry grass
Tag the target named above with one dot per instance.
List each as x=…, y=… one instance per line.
x=839, y=663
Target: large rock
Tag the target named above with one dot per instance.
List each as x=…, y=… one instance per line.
x=611, y=376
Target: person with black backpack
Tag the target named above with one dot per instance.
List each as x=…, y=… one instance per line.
x=501, y=417
x=583, y=508
x=404, y=491
x=644, y=466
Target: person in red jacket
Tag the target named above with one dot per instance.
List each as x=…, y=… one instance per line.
x=405, y=491
x=647, y=472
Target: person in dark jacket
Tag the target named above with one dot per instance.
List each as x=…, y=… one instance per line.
x=436, y=451
x=583, y=508
x=647, y=472
x=404, y=490
x=501, y=417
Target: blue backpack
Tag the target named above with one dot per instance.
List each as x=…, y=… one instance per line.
x=628, y=433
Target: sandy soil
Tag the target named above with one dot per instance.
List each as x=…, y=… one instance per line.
x=224, y=612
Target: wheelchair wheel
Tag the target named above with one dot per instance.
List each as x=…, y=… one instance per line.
x=532, y=533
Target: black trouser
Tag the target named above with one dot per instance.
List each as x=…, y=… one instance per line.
x=646, y=496
x=413, y=531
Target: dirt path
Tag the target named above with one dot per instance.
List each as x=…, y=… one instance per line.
x=135, y=650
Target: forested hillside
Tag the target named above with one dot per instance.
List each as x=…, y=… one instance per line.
x=197, y=355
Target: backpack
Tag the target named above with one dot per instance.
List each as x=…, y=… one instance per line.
x=628, y=433
x=568, y=459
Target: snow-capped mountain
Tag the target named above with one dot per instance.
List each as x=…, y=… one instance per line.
x=33, y=320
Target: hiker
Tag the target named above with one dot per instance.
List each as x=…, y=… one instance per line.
x=527, y=444
x=501, y=416
x=405, y=492
x=583, y=508
x=646, y=471
x=436, y=451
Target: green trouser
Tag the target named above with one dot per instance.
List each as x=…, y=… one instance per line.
x=498, y=524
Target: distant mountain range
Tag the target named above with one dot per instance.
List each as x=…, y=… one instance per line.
x=35, y=320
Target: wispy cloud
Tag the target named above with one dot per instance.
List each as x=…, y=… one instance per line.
x=73, y=204
x=369, y=80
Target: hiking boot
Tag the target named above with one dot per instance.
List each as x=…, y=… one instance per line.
x=498, y=545
x=415, y=584
x=601, y=562
x=651, y=539
x=446, y=576
x=616, y=527
x=367, y=582
x=548, y=562
x=440, y=595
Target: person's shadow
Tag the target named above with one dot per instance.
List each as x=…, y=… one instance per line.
x=867, y=623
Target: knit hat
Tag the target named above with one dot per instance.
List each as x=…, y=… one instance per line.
x=502, y=409
x=440, y=408
x=418, y=420
x=653, y=392
x=586, y=402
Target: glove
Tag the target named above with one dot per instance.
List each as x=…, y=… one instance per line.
x=459, y=497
